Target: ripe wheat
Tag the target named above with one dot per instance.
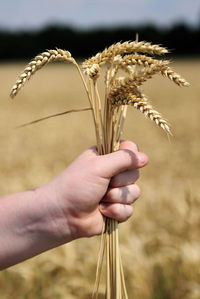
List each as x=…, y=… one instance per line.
x=121, y=48
x=120, y=92
x=37, y=63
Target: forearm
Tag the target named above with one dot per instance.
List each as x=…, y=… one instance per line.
x=27, y=227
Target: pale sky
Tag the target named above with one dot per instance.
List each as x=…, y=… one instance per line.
x=18, y=14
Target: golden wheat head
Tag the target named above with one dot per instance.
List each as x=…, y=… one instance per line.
x=121, y=48
x=37, y=63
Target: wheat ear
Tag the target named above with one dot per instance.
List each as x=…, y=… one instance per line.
x=160, y=67
x=143, y=105
x=122, y=48
x=129, y=84
x=176, y=78
x=141, y=60
x=37, y=63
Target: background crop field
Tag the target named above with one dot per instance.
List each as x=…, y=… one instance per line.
x=161, y=244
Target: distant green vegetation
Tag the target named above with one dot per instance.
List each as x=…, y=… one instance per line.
x=181, y=39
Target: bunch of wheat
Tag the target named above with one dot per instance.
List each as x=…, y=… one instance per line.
x=109, y=114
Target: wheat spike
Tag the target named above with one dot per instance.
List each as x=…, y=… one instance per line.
x=128, y=62
x=159, y=67
x=130, y=84
x=141, y=77
x=93, y=72
x=141, y=60
x=143, y=106
x=37, y=63
x=122, y=48
x=176, y=78
x=135, y=79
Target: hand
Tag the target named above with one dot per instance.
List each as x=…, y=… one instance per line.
x=93, y=186
x=72, y=205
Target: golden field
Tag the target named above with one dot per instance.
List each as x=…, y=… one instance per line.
x=161, y=243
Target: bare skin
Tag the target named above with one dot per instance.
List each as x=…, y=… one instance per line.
x=72, y=205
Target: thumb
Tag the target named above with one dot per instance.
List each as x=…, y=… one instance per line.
x=119, y=161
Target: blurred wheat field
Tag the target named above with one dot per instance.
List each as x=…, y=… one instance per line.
x=161, y=243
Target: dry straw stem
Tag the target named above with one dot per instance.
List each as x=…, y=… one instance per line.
x=53, y=115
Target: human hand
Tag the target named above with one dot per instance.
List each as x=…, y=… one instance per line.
x=93, y=186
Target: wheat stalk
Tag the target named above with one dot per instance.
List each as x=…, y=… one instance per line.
x=109, y=115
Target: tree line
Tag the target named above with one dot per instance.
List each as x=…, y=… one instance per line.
x=180, y=39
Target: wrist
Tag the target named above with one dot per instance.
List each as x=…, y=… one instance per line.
x=65, y=222
x=55, y=222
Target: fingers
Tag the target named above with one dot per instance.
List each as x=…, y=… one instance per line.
x=116, y=203
x=124, y=195
x=116, y=211
x=125, y=178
